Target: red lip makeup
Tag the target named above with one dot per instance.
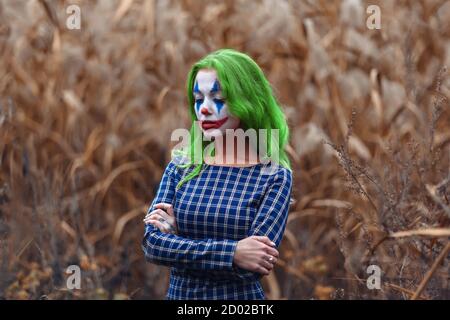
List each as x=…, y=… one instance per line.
x=206, y=124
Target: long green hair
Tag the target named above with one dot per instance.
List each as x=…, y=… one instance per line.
x=249, y=97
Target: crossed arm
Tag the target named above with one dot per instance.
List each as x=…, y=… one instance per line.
x=208, y=254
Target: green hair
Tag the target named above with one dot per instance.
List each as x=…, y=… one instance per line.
x=249, y=97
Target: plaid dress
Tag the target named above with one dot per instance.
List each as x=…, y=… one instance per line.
x=215, y=210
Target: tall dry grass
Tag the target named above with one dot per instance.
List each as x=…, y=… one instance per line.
x=86, y=117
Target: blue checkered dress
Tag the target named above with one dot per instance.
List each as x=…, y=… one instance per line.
x=215, y=210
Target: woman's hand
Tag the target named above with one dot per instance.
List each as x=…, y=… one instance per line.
x=164, y=220
x=256, y=253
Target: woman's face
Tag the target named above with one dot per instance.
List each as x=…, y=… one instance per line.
x=211, y=109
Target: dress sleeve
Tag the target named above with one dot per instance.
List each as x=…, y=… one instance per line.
x=272, y=215
x=173, y=250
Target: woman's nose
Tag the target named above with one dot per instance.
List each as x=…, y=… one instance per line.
x=205, y=111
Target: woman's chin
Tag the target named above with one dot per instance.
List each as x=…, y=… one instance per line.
x=212, y=133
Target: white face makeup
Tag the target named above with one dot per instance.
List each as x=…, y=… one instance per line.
x=211, y=109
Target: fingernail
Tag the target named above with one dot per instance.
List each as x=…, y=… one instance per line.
x=273, y=244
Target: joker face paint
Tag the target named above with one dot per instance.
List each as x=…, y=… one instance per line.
x=210, y=107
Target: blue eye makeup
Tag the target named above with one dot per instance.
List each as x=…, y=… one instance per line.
x=214, y=93
x=196, y=89
x=218, y=101
x=216, y=87
x=219, y=104
x=198, y=103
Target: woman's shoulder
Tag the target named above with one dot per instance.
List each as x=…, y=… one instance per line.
x=178, y=165
x=280, y=178
x=277, y=172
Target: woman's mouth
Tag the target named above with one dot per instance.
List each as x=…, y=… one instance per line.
x=207, y=124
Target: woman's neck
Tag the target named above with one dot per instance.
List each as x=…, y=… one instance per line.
x=227, y=153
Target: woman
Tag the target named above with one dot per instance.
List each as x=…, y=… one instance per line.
x=219, y=216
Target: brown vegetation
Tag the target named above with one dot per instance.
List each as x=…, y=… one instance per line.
x=86, y=117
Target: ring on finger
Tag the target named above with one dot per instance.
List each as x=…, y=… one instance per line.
x=167, y=225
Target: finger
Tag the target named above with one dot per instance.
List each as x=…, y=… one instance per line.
x=154, y=216
x=271, y=259
x=265, y=240
x=160, y=226
x=151, y=221
x=157, y=210
x=267, y=265
x=272, y=252
x=160, y=214
x=148, y=221
x=262, y=270
x=166, y=206
x=150, y=214
x=166, y=216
